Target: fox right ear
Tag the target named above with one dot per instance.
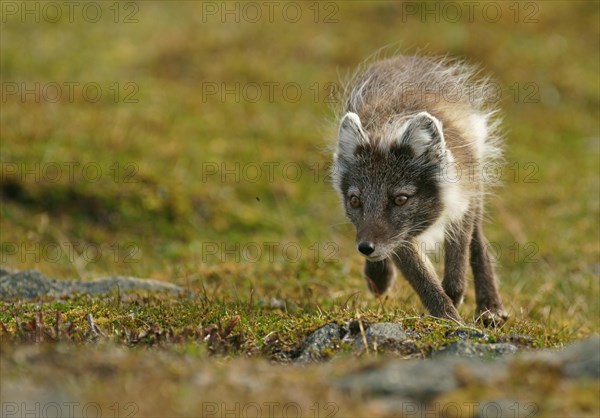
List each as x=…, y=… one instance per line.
x=350, y=136
x=424, y=134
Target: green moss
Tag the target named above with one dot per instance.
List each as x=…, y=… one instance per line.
x=160, y=210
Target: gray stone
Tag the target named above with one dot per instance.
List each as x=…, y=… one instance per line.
x=467, y=349
x=321, y=344
x=28, y=284
x=5, y=271
x=504, y=408
x=412, y=379
x=579, y=359
x=422, y=381
x=466, y=333
x=403, y=407
x=31, y=284
x=582, y=359
x=277, y=304
x=381, y=335
x=482, y=371
x=123, y=284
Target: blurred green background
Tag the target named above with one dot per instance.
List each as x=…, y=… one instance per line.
x=133, y=135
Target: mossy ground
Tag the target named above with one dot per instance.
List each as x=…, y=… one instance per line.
x=178, y=196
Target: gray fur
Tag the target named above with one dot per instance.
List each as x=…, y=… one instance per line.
x=400, y=136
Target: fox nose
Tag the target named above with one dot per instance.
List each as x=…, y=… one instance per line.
x=366, y=247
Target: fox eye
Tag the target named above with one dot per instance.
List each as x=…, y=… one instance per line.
x=400, y=200
x=354, y=201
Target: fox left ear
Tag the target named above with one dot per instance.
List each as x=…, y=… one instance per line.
x=350, y=136
x=424, y=134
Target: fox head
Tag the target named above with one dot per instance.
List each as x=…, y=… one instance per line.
x=390, y=185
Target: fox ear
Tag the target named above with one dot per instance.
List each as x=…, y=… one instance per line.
x=350, y=136
x=424, y=134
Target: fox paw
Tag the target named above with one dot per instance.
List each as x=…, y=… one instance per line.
x=492, y=317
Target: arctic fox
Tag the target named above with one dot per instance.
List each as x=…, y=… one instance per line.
x=414, y=135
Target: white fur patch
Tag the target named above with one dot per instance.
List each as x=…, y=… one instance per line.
x=454, y=197
x=479, y=129
x=456, y=203
x=431, y=239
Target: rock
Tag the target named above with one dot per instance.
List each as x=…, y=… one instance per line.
x=502, y=408
x=383, y=335
x=421, y=381
x=28, y=284
x=481, y=371
x=321, y=344
x=123, y=284
x=32, y=284
x=518, y=340
x=5, y=271
x=275, y=303
x=466, y=333
x=582, y=359
x=412, y=379
x=466, y=349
